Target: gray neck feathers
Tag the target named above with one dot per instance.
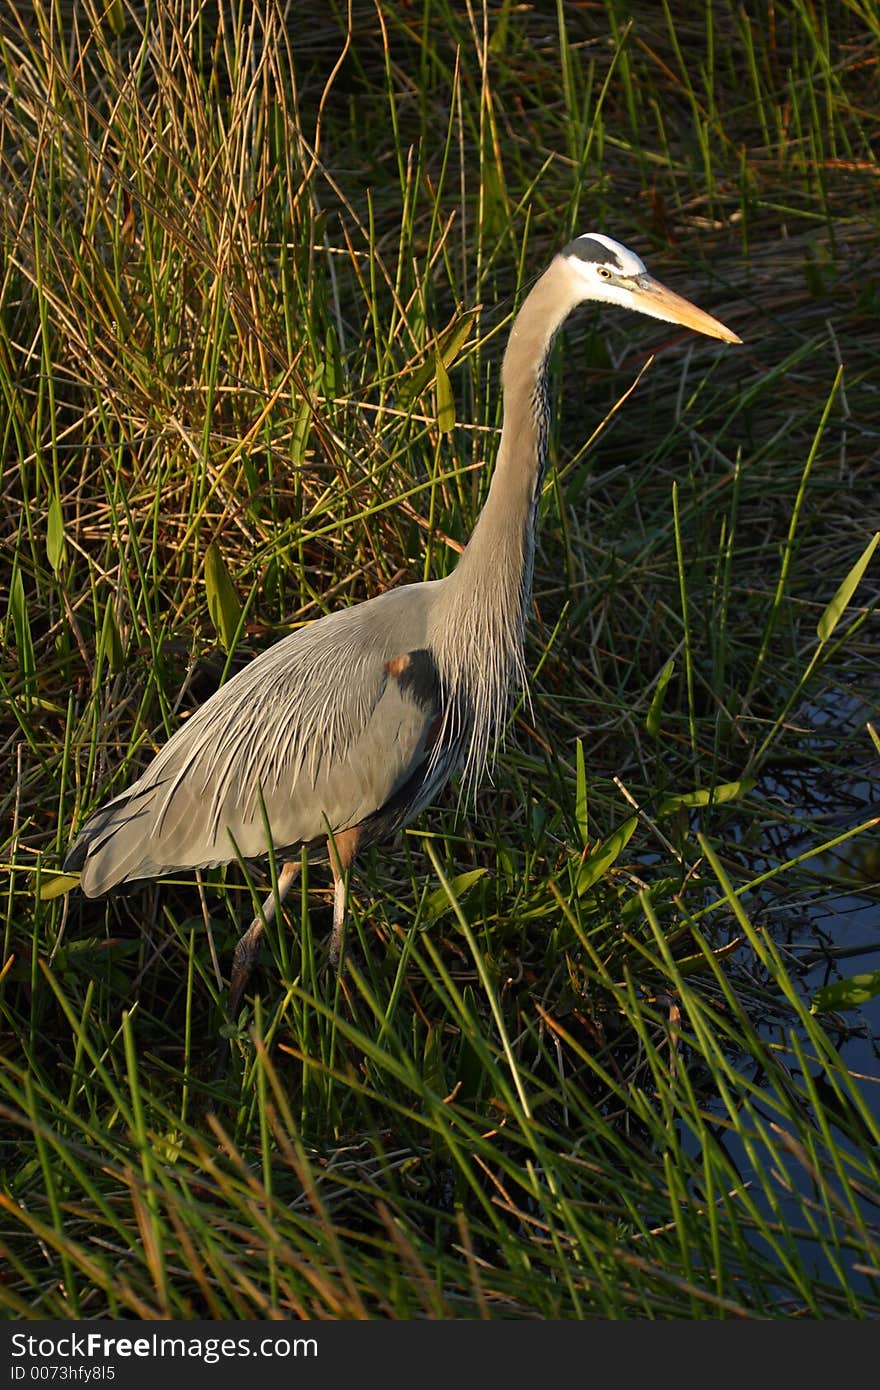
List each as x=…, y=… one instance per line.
x=478, y=637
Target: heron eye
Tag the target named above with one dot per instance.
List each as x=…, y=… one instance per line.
x=604, y=273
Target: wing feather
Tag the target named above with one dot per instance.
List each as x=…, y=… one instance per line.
x=316, y=730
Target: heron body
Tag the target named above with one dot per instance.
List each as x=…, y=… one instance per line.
x=341, y=733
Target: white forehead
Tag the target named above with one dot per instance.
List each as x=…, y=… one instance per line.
x=619, y=256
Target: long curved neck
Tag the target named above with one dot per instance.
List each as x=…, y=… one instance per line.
x=499, y=555
x=479, y=636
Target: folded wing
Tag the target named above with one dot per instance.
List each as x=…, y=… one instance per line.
x=331, y=727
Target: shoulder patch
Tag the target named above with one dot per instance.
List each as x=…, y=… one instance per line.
x=417, y=675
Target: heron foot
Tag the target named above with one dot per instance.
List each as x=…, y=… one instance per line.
x=248, y=947
x=246, y=952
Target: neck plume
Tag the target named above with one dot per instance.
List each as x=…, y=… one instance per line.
x=478, y=641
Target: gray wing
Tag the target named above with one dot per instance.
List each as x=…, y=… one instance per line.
x=326, y=727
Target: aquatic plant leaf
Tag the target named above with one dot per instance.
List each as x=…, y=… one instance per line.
x=836, y=608
x=846, y=994
x=705, y=796
x=55, y=546
x=449, y=345
x=445, y=398
x=597, y=864
x=115, y=16
x=111, y=642
x=652, y=719
x=56, y=885
x=438, y=902
x=581, y=805
x=223, y=604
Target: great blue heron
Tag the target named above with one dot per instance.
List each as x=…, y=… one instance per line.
x=342, y=732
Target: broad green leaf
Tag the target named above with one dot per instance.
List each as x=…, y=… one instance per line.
x=836, y=608
x=56, y=885
x=55, y=546
x=846, y=994
x=496, y=207
x=417, y=383
x=581, y=806
x=705, y=796
x=452, y=339
x=116, y=17
x=437, y=903
x=111, y=642
x=448, y=345
x=445, y=398
x=652, y=720
x=662, y=890
x=597, y=864
x=223, y=604
x=301, y=431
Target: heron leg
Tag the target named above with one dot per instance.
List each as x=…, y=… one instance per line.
x=248, y=947
x=340, y=902
x=342, y=848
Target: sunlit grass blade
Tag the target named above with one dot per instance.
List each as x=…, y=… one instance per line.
x=838, y=605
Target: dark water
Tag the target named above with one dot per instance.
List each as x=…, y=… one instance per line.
x=824, y=914
x=833, y=928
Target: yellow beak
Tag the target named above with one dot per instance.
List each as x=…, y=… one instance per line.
x=650, y=297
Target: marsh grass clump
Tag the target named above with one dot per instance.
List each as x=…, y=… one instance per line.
x=257, y=271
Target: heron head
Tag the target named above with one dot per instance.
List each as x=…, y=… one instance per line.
x=609, y=273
